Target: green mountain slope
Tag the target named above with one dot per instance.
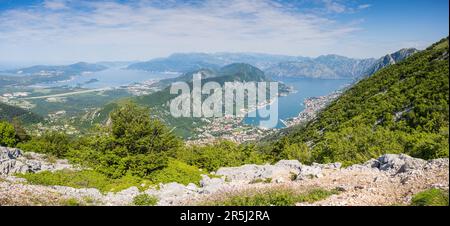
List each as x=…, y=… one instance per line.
x=400, y=109
x=8, y=112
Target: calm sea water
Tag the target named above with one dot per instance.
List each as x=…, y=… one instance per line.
x=113, y=77
x=291, y=105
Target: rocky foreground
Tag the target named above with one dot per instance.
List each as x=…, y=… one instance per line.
x=389, y=180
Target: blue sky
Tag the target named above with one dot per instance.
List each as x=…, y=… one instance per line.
x=63, y=31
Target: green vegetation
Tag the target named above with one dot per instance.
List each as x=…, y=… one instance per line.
x=70, y=202
x=431, y=197
x=272, y=197
x=21, y=133
x=7, y=134
x=177, y=171
x=51, y=143
x=133, y=150
x=145, y=200
x=224, y=153
x=400, y=109
x=81, y=111
x=9, y=112
x=133, y=143
x=84, y=179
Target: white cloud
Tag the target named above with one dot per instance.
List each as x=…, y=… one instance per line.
x=55, y=4
x=364, y=6
x=147, y=29
x=334, y=6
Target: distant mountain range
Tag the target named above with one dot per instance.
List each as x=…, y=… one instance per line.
x=327, y=66
x=185, y=62
x=46, y=73
x=66, y=69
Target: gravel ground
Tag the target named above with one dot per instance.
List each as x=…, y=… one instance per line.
x=360, y=185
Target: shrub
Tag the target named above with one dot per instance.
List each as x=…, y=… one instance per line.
x=297, y=151
x=145, y=200
x=134, y=144
x=220, y=154
x=177, y=171
x=71, y=202
x=431, y=197
x=51, y=143
x=7, y=134
x=133, y=129
x=21, y=133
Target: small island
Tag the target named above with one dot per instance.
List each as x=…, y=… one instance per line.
x=91, y=81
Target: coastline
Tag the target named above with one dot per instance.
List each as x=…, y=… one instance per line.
x=313, y=106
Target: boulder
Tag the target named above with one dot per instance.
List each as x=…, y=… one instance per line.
x=192, y=187
x=211, y=185
x=172, y=189
x=79, y=193
x=12, y=166
x=12, y=161
x=124, y=197
x=335, y=165
x=309, y=172
x=248, y=173
x=293, y=165
x=398, y=163
x=9, y=153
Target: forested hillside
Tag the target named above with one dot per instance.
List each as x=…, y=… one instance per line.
x=400, y=109
x=8, y=113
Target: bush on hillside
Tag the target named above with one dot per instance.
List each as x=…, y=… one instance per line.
x=134, y=143
x=145, y=200
x=431, y=197
x=51, y=143
x=177, y=171
x=220, y=154
x=7, y=134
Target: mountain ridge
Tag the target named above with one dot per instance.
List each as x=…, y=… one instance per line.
x=325, y=66
x=337, y=67
x=70, y=68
